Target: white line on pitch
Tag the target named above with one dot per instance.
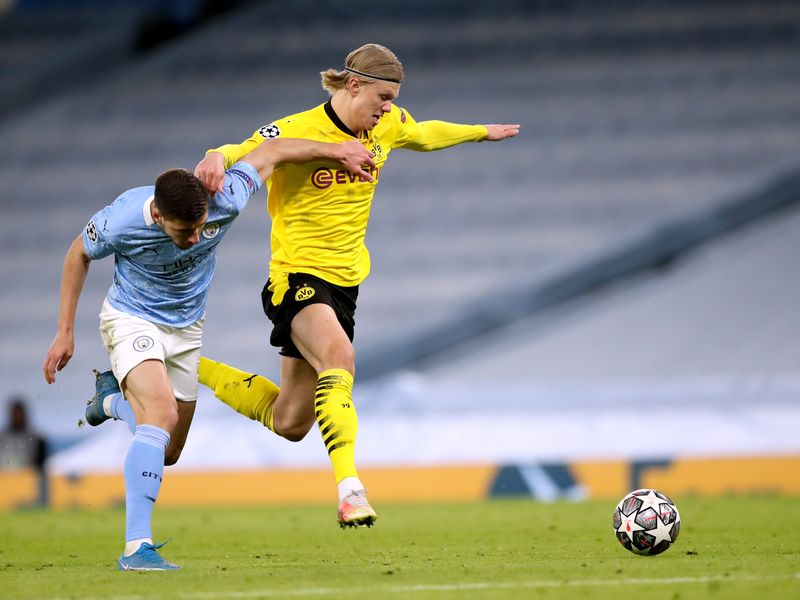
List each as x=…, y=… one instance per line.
x=457, y=587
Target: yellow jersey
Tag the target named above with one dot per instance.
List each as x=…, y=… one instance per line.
x=319, y=210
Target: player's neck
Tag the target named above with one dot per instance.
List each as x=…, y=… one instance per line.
x=340, y=106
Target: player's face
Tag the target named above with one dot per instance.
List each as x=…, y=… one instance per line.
x=372, y=102
x=184, y=234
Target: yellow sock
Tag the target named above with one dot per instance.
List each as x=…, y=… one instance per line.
x=337, y=420
x=250, y=395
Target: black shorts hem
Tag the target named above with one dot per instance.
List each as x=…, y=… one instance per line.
x=304, y=290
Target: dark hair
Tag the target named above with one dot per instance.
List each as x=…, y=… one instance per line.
x=180, y=195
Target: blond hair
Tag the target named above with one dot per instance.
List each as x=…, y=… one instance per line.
x=370, y=63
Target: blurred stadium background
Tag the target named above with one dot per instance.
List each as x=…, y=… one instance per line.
x=608, y=301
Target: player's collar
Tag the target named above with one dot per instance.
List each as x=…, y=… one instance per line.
x=336, y=120
x=148, y=216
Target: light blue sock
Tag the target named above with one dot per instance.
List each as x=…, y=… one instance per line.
x=121, y=410
x=144, y=467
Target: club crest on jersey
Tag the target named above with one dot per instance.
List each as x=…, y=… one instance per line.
x=91, y=231
x=210, y=231
x=304, y=293
x=269, y=131
x=143, y=343
x=376, y=148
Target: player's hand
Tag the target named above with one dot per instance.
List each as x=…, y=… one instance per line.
x=211, y=171
x=355, y=158
x=58, y=356
x=501, y=132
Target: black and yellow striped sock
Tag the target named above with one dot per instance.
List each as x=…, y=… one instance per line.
x=250, y=395
x=337, y=420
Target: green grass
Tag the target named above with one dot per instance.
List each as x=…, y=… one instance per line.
x=729, y=548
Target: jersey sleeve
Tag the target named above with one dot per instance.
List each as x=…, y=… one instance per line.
x=424, y=136
x=235, y=152
x=241, y=183
x=97, y=241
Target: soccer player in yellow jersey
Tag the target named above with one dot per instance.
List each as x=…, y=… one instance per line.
x=319, y=220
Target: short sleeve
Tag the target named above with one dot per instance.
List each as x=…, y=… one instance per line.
x=241, y=183
x=96, y=241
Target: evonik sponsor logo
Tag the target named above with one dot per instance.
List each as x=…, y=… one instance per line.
x=323, y=178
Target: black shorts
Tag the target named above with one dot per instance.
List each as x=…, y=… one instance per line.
x=303, y=290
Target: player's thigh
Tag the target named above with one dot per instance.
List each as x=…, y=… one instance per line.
x=182, y=348
x=149, y=391
x=129, y=340
x=319, y=336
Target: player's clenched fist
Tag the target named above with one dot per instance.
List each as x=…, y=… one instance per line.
x=211, y=171
x=354, y=157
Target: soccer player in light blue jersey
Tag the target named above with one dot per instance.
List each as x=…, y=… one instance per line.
x=164, y=240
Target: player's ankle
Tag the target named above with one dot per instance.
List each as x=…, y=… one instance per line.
x=134, y=545
x=348, y=485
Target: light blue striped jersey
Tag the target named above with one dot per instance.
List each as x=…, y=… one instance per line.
x=153, y=278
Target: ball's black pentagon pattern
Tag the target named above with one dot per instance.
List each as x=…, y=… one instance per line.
x=643, y=541
x=631, y=505
x=675, y=531
x=659, y=548
x=668, y=513
x=624, y=540
x=646, y=519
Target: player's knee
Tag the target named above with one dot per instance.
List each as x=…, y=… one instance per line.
x=171, y=457
x=293, y=431
x=341, y=356
x=294, y=435
x=165, y=416
x=170, y=419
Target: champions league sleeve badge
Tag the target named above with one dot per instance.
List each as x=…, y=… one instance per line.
x=91, y=231
x=269, y=131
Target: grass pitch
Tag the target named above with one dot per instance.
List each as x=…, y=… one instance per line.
x=728, y=548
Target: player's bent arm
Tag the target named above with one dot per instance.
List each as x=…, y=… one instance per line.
x=233, y=153
x=351, y=154
x=73, y=276
x=211, y=170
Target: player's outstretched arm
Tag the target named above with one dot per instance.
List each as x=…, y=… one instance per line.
x=425, y=136
x=495, y=133
x=76, y=267
x=351, y=155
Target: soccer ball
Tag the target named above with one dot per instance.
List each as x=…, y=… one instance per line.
x=646, y=522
